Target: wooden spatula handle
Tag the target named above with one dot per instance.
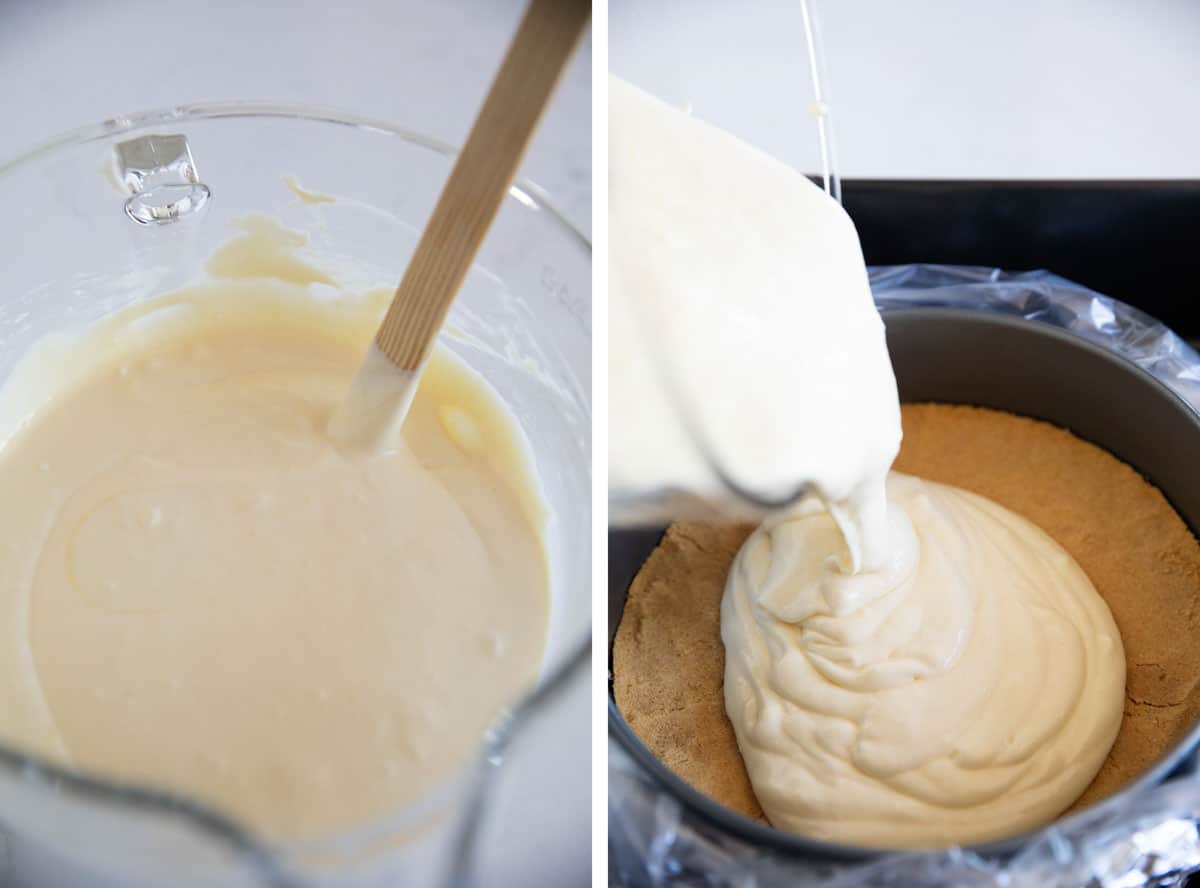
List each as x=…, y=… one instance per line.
x=481, y=177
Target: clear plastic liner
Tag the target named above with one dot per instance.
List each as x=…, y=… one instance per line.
x=1050, y=299
x=1133, y=839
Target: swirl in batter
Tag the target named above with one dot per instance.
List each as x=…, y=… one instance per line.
x=966, y=688
x=200, y=591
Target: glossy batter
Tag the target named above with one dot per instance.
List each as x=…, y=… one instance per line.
x=740, y=317
x=198, y=590
x=906, y=664
x=969, y=690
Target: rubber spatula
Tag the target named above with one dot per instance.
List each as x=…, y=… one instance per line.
x=379, y=398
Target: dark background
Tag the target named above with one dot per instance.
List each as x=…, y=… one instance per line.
x=1135, y=241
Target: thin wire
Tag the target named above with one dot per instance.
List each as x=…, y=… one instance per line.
x=822, y=102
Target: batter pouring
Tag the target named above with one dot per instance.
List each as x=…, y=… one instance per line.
x=199, y=591
x=906, y=663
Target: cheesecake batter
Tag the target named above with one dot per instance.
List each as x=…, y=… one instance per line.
x=968, y=691
x=199, y=591
x=742, y=330
x=906, y=663
x=668, y=662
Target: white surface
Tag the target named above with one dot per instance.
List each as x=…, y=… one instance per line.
x=937, y=88
x=423, y=64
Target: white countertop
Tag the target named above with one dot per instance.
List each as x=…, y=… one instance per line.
x=936, y=88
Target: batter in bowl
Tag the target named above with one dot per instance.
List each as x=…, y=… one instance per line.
x=199, y=591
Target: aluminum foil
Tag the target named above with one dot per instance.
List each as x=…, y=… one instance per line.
x=1143, y=839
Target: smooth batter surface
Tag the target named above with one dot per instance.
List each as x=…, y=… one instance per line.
x=669, y=663
x=199, y=591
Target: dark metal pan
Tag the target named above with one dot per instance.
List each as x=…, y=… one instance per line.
x=990, y=360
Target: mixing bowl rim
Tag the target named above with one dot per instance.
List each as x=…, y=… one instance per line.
x=525, y=191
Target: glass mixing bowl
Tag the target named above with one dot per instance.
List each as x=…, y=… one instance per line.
x=111, y=214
